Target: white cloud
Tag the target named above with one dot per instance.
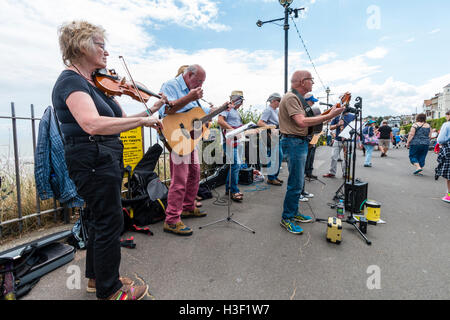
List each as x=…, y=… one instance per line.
x=377, y=53
x=435, y=31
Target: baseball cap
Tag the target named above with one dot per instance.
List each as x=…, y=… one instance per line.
x=310, y=97
x=371, y=121
x=274, y=96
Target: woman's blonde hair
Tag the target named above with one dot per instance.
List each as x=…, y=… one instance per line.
x=75, y=36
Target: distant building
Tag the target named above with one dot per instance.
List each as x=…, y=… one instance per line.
x=444, y=102
x=437, y=106
x=392, y=122
x=427, y=109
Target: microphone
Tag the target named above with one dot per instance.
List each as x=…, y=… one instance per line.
x=325, y=104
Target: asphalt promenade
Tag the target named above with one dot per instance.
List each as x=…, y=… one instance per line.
x=409, y=257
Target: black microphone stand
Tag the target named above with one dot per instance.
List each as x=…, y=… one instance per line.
x=230, y=215
x=350, y=170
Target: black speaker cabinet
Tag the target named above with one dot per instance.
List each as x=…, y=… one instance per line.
x=359, y=191
x=246, y=176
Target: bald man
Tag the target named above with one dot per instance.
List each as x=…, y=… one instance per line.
x=184, y=91
x=296, y=122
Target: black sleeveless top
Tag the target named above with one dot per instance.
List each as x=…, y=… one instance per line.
x=69, y=82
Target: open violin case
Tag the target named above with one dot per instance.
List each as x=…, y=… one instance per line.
x=22, y=267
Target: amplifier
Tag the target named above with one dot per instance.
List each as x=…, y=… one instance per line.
x=217, y=179
x=246, y=176
x=359, y=192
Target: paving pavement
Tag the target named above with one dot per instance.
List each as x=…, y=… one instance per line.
x=409, y=257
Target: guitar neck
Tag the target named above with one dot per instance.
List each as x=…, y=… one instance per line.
x=214, y=113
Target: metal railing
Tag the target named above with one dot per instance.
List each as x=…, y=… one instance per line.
x=57, y=207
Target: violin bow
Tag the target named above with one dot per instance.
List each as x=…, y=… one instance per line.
x=135, y=86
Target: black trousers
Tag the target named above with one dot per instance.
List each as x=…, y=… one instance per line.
x=309, y=166
x=97, y=171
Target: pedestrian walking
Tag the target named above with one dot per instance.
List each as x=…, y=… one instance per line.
x=418, y=142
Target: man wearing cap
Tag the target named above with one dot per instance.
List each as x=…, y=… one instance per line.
x=230, y=120
x=295, y=120
x=338, y=124
x=270, y=117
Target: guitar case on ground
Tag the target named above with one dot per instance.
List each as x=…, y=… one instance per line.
x=22, y=267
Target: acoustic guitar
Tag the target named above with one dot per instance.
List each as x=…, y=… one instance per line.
x=345, y=101
x=182, y=131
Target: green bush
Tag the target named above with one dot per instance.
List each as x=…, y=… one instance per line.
x=249, y=115
x=437, y=123
x=407, y=128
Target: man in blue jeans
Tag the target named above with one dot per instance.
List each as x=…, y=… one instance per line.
x=270, y=117
x=295, y=126
x=229, y=120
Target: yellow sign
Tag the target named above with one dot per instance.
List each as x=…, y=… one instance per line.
x=133, y=143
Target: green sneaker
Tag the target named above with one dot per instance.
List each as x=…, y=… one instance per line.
x=302, y=218
x=291, y=227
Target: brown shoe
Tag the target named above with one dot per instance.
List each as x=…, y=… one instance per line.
x=91, y=287
x=179, y=229
x=196, y=213
x=274, y=182
x=130, y=293
x=279, y=180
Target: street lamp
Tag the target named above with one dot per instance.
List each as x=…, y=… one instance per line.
x=285, y=3
x=287, y=12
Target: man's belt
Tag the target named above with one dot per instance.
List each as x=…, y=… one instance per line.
x=306, y=138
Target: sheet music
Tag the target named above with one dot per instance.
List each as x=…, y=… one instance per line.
x=346, y=132
x=235, y=132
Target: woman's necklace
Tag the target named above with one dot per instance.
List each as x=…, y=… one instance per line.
x=89, y=80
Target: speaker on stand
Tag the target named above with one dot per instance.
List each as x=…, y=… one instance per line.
x=360, y=195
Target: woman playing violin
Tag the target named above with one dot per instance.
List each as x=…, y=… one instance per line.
x=91, y=123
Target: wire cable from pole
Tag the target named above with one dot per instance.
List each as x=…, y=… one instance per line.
x=309, y=56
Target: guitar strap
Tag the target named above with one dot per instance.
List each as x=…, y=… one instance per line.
x=308, y=110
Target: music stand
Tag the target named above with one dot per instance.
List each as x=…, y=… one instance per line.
x=229, y=218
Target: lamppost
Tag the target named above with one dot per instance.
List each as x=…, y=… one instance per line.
x=287, y=12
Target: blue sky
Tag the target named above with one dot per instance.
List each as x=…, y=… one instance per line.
x=394, y=54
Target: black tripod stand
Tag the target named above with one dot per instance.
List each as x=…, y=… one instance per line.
x=350, y=167
x=230, y=215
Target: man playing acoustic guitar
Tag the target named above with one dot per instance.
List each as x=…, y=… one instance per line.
x=183, y=92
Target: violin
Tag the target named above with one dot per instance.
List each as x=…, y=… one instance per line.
x=109, y=82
